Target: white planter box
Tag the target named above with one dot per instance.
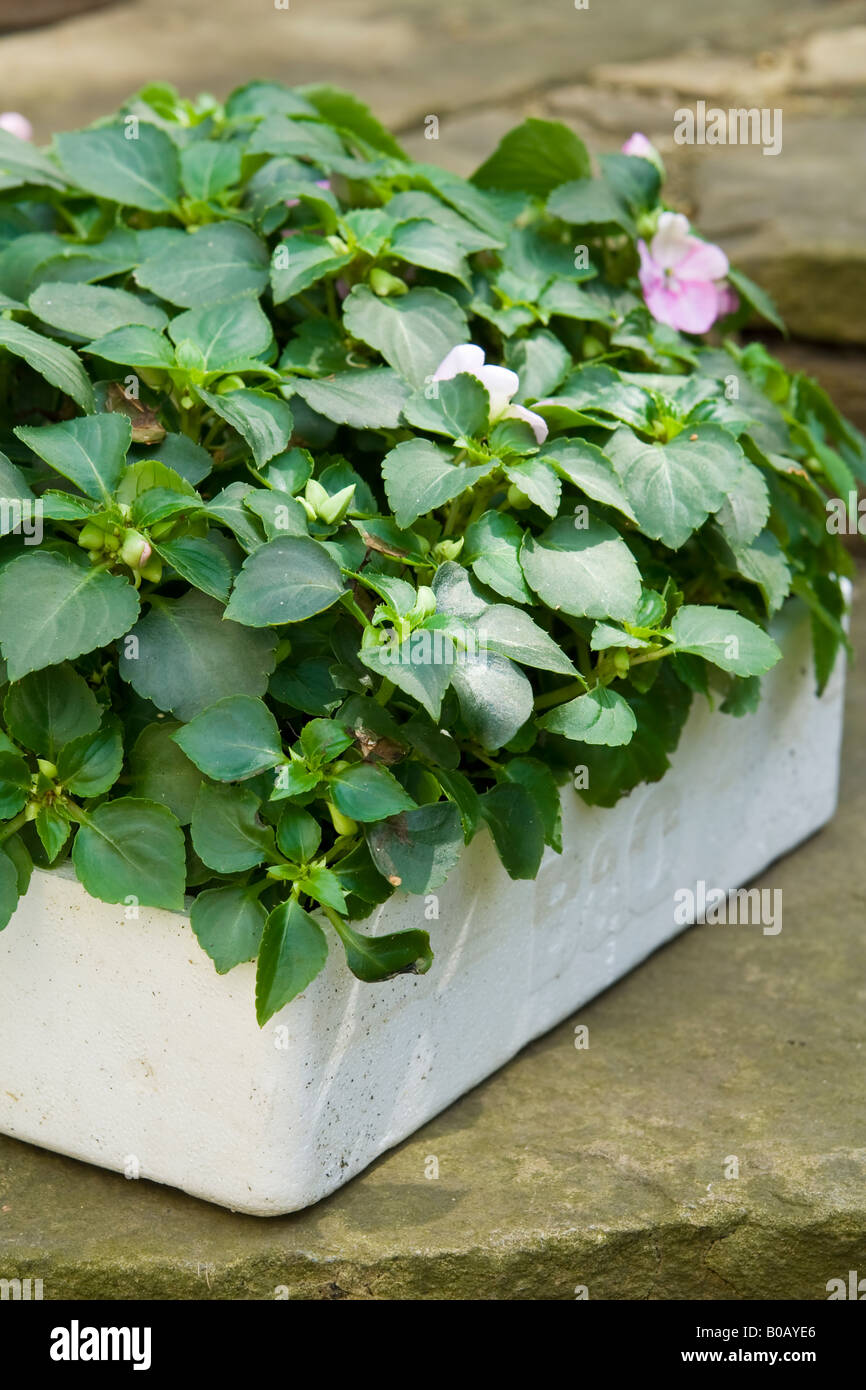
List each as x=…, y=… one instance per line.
x=119, y=1044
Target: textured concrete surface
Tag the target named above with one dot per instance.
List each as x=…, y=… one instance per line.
x=602, y=1167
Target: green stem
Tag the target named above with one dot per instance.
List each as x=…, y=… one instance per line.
x=13, y=826
x=385, y=691
x=652, y=656
x=356, y=611
x=562, y=692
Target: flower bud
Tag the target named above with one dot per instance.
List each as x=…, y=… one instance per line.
x=343, y=825
x=152, y=571
x=91, y=537
x=336, y=507
x=46, y=768
x=423, y=607
x=383, y=283
x=230, y=383
x=447, y=549
x=518, y=499
x=135, y=550
x=316, y=495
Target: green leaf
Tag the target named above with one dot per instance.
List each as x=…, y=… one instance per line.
x=227, y=834
x=512, y=633
x=324, y=886
x=372, y=399
x=53, y=831
x=764, y=564
x=424, y=243
x=538, y=482
x=159, y=771
x=208, y=168
x=305, y=139
x=292, y=953
x=52, y=609
x=235, y=738
x=90, y=311
x=492, y=548
x=14, y=783
x=134, y=347
x=227, y=336
x=495, y=697
x=744, y=512
x=672, y=488
x=743, y=697
x=225, y=254
x=90, y=452
x=323, y=740
x=725, y=638
x=757, y=298
x=8, y=889
x=541, y=362
x=516, y=826
x=49, y=708
x=265, y=423
x=301, y=261
x=131, y=849
x=588, y=202
x=413, y=332
x=460, y=408
x=257, y=99
x=26, y=164
x=376, y=958
x=419, y=476
x=228, y=923
x=366, y=792
x=343, y=109
x=228, y=508
x=200, y=562
x=595, y=392
x=539, y=781
x=421, y=666
x=298, y=834
x=585, y=467
x=140, y=172
x=285, y=581
x=583, y=570
x=56, y=363
x=13, y=488
x=534, y=158
x=188, y=460
x=186, y=656
x=600, y=716
x=417, y=850
x=308, y=687
x=89, y=765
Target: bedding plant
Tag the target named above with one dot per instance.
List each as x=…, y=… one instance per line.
x=350, y=507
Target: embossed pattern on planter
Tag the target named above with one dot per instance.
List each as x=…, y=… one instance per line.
x=120, y=1045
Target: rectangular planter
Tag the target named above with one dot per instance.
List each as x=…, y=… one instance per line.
x=119, y=1044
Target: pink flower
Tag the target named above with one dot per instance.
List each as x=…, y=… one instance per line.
x=16, y=124
x=499, y=383
x=729, y=300
x=680, y=276
x=638, y=144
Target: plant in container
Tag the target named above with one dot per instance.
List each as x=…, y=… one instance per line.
x=353, y=514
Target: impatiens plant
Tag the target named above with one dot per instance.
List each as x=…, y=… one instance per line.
x=349, y=507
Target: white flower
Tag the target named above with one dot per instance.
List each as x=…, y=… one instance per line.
x=16, y=124
x=499, y=383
